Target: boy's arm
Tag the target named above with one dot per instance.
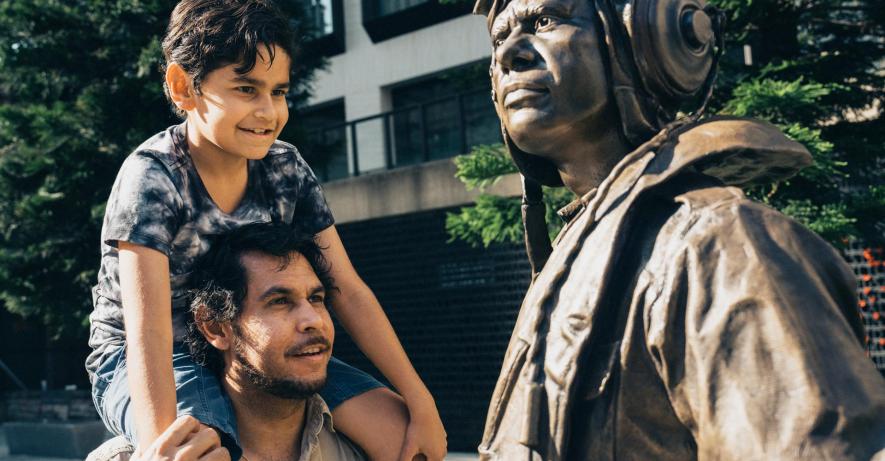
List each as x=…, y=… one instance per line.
x=361, y=315
x=147, y=313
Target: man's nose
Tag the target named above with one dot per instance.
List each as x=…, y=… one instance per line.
x=308, y=317
x=516, y=53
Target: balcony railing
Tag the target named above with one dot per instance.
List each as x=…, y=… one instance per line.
x=433, y=130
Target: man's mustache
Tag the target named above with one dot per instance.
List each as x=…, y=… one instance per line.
x=312, y=341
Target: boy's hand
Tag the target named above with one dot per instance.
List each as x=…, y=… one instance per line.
x=185, y=440
x=425, y=436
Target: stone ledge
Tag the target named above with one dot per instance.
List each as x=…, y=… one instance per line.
x=57, y=439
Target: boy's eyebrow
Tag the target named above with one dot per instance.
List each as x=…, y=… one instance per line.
x=258, y=83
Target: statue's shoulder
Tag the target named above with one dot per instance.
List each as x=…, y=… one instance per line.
x=739, y=151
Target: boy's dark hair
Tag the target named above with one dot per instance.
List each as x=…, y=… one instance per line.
x=204, y=35
x=218, y=284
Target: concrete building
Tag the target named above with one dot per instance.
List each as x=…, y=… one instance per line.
x=407, y=89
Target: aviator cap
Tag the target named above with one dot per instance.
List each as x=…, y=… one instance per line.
x=662, y=54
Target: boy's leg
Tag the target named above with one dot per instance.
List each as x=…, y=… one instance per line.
x=197, y=390
x=368, y=413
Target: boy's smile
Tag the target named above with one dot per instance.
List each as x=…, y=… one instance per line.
x=238, y=116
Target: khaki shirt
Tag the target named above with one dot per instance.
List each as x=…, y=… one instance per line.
x=319, y=441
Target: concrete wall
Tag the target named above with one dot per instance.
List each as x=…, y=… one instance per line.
x=365, y=69
x=361, y=76
x=422, y=187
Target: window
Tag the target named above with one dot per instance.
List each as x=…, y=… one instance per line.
x=385, y=19
x=327, y=24
x=325, y=140
x=443, y=115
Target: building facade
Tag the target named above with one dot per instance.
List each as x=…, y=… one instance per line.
x=405, y=90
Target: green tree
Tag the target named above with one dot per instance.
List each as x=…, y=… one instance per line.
x=817, y=74
x=80, y=87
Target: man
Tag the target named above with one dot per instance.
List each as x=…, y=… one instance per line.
x=673, y=318
x=261, y=323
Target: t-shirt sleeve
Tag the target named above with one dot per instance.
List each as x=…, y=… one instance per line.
x=143, y=206
x=312, y=213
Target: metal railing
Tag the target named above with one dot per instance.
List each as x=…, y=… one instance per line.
x=433, y=130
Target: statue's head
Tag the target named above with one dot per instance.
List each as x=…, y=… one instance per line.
x=565, y=66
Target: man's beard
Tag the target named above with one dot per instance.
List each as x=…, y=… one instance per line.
x=284, y=388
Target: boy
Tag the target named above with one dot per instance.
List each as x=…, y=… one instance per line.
x=227, y=72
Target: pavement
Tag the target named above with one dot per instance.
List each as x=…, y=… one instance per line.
x=5, y=456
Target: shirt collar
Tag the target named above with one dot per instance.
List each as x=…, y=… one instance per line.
x=317, y=418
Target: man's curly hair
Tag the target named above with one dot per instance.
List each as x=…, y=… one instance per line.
x=218, y=284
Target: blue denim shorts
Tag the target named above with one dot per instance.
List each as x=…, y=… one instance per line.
x=200, y=395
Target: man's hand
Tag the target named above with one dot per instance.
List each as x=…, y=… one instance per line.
x=425, y=437
x=185, y=440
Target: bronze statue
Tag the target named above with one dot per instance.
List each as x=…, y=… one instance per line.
x=673, y=318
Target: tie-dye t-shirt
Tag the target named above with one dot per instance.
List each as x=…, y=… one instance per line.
x=159, y=201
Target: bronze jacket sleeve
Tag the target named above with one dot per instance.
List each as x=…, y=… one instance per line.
x=755, y=336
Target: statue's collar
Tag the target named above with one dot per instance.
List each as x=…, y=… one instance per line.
x=737, y=151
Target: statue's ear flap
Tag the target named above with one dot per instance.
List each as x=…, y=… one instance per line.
x=483, y=7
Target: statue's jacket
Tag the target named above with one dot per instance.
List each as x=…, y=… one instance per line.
x=675, y=320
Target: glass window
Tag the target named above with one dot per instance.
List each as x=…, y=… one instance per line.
x=443, y=115
x=324, y=143
x=386, y=7
x=326, y=20
x=384, y=19
x=320, y=13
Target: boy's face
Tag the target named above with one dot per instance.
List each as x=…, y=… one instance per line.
x=241, y=115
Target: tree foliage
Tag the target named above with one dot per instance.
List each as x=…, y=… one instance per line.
x=817, y=74
x=80, y=87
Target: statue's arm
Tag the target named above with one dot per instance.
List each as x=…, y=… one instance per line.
x=758, y=341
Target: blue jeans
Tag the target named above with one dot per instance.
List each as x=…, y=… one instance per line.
x=200, y=395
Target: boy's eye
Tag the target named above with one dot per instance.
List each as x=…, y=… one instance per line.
x=246, y=89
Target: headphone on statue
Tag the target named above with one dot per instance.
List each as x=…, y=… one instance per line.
x=662, y=54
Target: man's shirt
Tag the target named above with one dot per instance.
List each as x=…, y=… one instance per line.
x=319, y=440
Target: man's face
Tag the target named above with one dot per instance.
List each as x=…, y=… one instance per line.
x=242, y=115
x=283, y=337
x=548, y=72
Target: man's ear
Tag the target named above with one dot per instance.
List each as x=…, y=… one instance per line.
x=180, y=87
x=218, y=334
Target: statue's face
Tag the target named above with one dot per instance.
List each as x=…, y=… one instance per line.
x=548, y=73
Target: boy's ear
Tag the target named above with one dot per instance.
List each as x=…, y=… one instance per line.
x=218, y=334
x=181, y=90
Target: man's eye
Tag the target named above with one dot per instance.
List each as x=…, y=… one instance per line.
x=246, y=89
x=543, y=22
x=280, y=92
x=317, y=299
x=279, y=301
